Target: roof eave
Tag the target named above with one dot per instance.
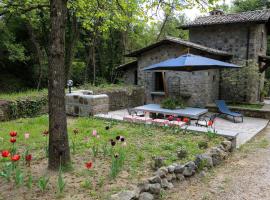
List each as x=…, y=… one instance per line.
x=186, y=27
x=168, y=40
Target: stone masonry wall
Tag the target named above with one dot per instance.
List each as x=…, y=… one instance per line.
x=197, y=88
x=129, y=76
x=124, y=98
x=244, y=42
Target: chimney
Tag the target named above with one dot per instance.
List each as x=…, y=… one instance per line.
x=216, y=12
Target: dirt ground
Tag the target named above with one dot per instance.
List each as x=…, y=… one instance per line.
x=244, y=176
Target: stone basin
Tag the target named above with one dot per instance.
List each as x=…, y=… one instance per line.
x=84, y=103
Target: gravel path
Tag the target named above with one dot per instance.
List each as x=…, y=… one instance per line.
x=244, y=176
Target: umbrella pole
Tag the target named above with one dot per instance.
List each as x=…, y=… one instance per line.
x=165, y=84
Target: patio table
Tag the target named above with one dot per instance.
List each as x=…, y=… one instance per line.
x=189, y=112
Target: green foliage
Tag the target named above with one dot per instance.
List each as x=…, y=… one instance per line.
x=211, y=134
x=29, y=182
x=182, y=152
x=78, y=72
x=266, y=88
x=172, y=103
x=16, y=51
x=106, y=31
x=43, y=182
x=19, y=177
x=117, y=164
x=27, y=107
x=202, y=164
x=203, y=144
x=60, y=182
x=247, y=5
x=7, y=171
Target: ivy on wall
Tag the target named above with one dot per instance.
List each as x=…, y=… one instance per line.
x=241, y=84
x=27, y=107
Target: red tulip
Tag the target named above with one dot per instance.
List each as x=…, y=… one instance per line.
x=178, y=119
x=186, y=120
x=170, y=118
x=16, y=157
x=89, y=165
x=28, y=157
x=13, y=133
x=12, y=140
x=5, y=153
x=210, y=123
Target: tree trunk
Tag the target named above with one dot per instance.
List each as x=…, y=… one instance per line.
x=37, y=51
x=58, y=140
x=72, y=40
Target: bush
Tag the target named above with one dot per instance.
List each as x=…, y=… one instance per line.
x=27, y=107
x=170, y=103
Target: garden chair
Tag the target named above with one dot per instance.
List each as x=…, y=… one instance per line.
x=224, y=110
x=134, y=112
x=206, y=120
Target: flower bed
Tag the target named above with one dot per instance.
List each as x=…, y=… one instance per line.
x=107, y=157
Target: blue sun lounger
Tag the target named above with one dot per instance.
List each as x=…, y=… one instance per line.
x=224, y=110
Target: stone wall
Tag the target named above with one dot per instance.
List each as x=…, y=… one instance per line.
x=256, y=113
x=128, y=76
x=28, y=107
x=245, y=42
x=165, y=178
x=196, y=88
x=84, y=104
x=124, y=98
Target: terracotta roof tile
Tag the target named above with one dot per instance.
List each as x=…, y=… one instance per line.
x=180, y=42
x=262, y=16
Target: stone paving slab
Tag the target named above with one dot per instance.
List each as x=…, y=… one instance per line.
x=242, y=132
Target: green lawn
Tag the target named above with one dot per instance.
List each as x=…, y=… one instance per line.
x=142, y=143
x=23, y=95
x=246, y=105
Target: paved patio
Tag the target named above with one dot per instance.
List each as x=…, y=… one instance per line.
x=242, y=132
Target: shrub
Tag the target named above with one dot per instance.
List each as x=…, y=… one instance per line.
x=171, y=103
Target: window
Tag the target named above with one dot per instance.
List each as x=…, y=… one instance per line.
x=135, y=77
x=159, y=84
x=262, y=40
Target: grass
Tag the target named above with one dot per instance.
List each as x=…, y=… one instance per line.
x=23, y=95
x=143, y=142
x=246, y=105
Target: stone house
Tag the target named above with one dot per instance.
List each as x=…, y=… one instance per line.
x=239, y=38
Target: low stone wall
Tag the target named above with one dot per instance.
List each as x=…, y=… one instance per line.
x=27, y=107
x=30, y=107
x=81, y=104
x=165, y=177
x=257, y=113
x=124, y=98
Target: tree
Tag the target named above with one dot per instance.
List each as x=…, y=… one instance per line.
x=248, y=5
x=58, y=141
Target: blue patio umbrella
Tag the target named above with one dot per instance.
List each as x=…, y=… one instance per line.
x=190, y=62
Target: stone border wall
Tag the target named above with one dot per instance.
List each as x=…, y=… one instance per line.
x=124, y=98
x=28, y=107
x=165, y=177
x=257, y=113
x=31, y=107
